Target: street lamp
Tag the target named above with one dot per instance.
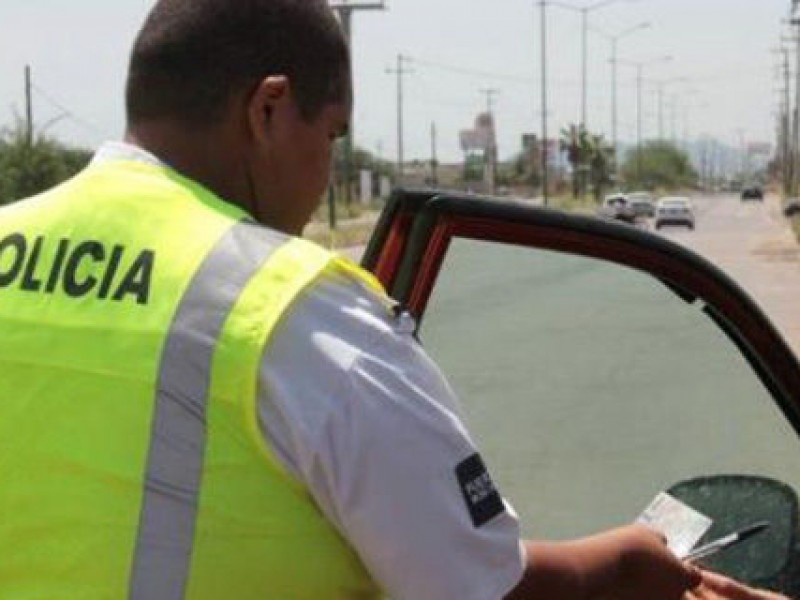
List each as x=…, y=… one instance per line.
x=640, y=65
x=662, y=83
x=545, y=166
x=585, y=10
x=614, y=39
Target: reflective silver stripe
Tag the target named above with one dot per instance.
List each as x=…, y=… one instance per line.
x=163, y=552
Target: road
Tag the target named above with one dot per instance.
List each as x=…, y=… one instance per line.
x=753, y=243
x=589, y=387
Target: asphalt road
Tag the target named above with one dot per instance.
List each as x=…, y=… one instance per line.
x=753, y=243
x=589, y=388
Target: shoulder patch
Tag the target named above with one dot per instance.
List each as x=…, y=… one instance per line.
x=483, y=501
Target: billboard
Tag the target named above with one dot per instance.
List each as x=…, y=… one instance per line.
x=481, y=137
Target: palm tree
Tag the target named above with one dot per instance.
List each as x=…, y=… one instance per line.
x=600, y=164
x=570, y=143
x=577, y=143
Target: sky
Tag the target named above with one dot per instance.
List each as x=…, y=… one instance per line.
x=721, y=76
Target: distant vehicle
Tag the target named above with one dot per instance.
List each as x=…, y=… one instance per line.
x=617, y=207
x=674, y=210
x=642, y=203
x=791, y=208
x=752, y=193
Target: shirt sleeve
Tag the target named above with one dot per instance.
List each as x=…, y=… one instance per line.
x=355, y=409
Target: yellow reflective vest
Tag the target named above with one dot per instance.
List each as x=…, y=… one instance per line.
x=135, y=307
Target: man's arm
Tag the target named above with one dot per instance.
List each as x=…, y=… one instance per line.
x=632, y=562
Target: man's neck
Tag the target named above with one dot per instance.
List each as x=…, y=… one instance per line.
x=202, y=156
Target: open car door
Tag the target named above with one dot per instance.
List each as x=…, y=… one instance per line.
x=598, y=365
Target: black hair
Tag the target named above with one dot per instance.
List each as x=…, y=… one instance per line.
x=191, y=56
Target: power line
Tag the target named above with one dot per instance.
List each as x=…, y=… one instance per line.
x=473, y=72
x=66, y=112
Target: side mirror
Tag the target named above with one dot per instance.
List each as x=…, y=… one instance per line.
x=736, y=501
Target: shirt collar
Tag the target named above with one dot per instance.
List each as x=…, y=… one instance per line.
x=111, y=151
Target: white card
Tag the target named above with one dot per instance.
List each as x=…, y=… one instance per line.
x=682, y=525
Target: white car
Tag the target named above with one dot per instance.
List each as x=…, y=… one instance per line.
x=617, y=206
x=642, y=204
x=674, y=210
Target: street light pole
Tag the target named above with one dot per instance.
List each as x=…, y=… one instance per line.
x=639, y=70
x=796, y=114
x=639, y=80
x=584, y=11
x=585, y=69
x=661, y=85
x=614, y=62
x=543, y=7
x=490, y=96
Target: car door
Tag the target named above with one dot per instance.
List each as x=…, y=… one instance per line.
x=598, y=365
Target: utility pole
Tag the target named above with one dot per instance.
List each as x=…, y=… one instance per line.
x=400, y=71
x=492, y=150
x=614, y=114
x=786, y=151
x=434, y=161
x=639, y=69
x=796, y=118
x=28, y=108
x=742, y=155
x=345, y=12
x=545, y=166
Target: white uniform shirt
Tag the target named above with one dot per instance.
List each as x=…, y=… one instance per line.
x=355, y=409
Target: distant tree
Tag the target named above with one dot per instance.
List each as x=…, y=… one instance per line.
x=27, y=169
x=590, y=157
x=361, y=159
x=659, y=164
x=473, y=168
x=600, y=165
x=576, y=143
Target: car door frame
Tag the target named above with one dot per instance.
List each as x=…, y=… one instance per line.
x=415, y=232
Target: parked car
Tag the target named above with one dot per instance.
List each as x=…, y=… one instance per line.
x=642, y=204
x=617, y=207
x=599, y=364
x=674, y=210
x=753, y=193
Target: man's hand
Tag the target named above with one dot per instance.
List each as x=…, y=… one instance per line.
x=647, y=568
x=629, y=563
x=717, y=587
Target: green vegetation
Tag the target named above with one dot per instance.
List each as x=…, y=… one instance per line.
x=591, y=158
x=29, y=168
x=659, y=165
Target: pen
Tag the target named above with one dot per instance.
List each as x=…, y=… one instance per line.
x=726, y=542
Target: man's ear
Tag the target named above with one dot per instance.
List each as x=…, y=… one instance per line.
x=267, y=102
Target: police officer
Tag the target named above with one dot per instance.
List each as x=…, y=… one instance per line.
x=195, y=403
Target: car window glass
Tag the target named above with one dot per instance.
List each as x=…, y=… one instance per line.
x=590, y=387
